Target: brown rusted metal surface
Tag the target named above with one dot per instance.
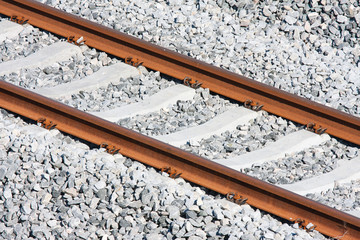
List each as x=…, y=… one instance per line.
x=220, y=81
x=191, y=167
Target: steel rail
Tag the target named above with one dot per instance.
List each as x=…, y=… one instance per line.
x=201, y=171
x=220, y=81
x=149, y=151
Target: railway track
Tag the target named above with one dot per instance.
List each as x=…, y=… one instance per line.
x=292, y=141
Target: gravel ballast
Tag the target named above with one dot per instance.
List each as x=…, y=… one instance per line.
x=319, y=54
x=344, y=197
x=127, y=91
x=53, y=186
x=31, y=40
x=184, y=114
x=261, y=131
x=306, y=164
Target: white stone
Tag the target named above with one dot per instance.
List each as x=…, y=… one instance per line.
x=290, y=20
x=51, y=223
x=244, y=22
x=46, y=198
x=357, y=17
x=307, y=27
x=26, y=208
x=266, y=11
x=312, y=38
x=99, y=185
x=319, y=78
x=7, y=193
x=312, y=15
x=71, y=191
x=94, y=202
x=341, y=19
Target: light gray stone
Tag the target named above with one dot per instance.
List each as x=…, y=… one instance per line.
x=173, y=212
x=290, y=20
x=341, y=19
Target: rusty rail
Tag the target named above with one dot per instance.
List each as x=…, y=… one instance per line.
x=278, y=102
x=149, y=151
x=201, y=171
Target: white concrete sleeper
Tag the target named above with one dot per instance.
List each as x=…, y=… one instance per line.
x=292, y=143
x=57, y=52
x=9, y=30
x=344, y=173
x=153, y=103
x=101, y=78
x=226, y=121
